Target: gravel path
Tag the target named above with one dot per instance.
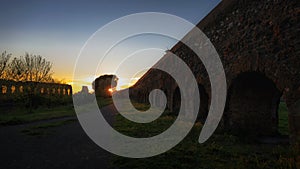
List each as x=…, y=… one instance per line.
x=65, y=146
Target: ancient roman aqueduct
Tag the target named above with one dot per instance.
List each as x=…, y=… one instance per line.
x=11, y=89
x=258, y=44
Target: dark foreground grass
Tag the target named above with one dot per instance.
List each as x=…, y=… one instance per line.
x=44, y=128
x=20, y=115
x=220, y=151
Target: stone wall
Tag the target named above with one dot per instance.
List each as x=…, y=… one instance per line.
x=13, y=92
x=105, y=85
x=251, y=36
x=11, y=88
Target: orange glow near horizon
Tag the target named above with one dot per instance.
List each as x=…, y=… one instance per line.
x=77, y=85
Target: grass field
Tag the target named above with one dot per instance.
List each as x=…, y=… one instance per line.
x=20, y=115
x=220, y=151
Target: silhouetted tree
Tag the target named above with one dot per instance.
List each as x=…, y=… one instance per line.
x=33, y=69
x=4, y=63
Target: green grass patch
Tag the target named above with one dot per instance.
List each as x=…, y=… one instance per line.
x=220, y=151
x=20, y=115
x=283, y=124
x=104, y=101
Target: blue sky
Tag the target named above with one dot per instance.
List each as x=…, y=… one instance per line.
x=58, y=29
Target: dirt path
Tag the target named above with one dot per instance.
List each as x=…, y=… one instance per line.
x=65, y=146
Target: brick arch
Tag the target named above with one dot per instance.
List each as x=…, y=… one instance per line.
x=13, y=89
x=4, y=89
x=281, y=77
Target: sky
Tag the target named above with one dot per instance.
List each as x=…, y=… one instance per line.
x=58, y=30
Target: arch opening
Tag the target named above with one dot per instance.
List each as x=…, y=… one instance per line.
x=252, y=106
x=204, y=103
x=176, y=101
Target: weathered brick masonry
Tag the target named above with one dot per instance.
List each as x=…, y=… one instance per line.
x=258, y=42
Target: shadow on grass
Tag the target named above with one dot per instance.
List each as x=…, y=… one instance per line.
x=43, y=129
x=220, y=151
x=20, y=115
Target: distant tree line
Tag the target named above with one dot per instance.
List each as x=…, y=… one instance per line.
x=28, y=68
